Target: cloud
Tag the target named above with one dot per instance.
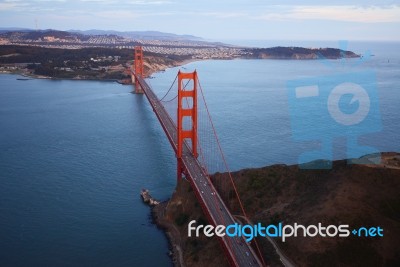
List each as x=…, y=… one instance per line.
x=42, y=1
x=6, y=6
x=149, y=2
x=222, y=15
x=372, y=14
x=127, y=14
x=12, y=5
x=28, y=6
x=137, y=2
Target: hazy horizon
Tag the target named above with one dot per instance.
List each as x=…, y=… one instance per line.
x=240, y=42
x=354, y=20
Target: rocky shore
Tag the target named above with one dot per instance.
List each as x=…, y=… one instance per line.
x=172, y=233
x=148, y=199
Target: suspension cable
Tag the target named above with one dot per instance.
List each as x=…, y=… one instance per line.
x=204, y=165
x=172, y=99
x=176, y=77
x=227, y=168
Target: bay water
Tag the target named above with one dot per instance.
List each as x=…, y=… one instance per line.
x=74, y=155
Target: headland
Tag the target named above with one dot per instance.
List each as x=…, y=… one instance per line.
x=358, y=195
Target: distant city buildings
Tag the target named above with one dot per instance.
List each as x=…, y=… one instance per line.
x=194, y=49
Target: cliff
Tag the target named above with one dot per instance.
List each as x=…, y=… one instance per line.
x=358, y=195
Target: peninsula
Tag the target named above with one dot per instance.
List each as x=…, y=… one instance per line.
x=69, y=55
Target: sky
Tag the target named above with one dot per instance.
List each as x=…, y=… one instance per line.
x=215, y=19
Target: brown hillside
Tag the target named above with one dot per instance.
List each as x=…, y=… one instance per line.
x=357, y=195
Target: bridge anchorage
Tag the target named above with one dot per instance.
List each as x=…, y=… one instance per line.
x=183, y=135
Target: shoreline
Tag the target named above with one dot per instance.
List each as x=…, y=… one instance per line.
x=41, y=77
x=121, y=82
x=171, y=233
x=158, y=213
x=149, y=74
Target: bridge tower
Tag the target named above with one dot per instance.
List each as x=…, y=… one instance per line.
x=138, y=68
x=187, y=116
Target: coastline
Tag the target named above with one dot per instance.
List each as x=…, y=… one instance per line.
x=149, y=74
x=160, y=63
x=171, y=232
x=42, y=77
x=164, y=67
x=155, y=67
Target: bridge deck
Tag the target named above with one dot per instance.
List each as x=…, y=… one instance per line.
x=239, y=251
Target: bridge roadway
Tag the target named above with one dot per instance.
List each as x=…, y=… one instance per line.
x=239, y=251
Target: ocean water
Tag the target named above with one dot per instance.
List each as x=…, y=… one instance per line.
x=74, y=155
x=249, y=102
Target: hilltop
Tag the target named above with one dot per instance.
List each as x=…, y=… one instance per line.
x=358, y=195
x=98, y=38
x=149, y=35
x=142, y=35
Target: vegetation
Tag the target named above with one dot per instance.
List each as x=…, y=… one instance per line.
x=182, y=219
x=280, y=52
x=85, y=63
x=32, y=54
x=357, y=195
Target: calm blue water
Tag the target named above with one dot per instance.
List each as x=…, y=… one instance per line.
x=75, y=154
x=73, y=158
x=248, y=101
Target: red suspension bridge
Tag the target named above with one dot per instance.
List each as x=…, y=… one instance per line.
x=190, y=135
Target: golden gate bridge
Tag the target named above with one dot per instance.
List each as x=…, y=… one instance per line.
x=187, y=123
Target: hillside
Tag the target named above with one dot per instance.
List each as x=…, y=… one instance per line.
x=280, y=52
x=92, y=63
x=358, y=195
